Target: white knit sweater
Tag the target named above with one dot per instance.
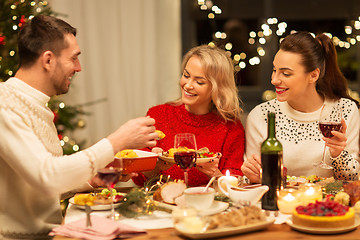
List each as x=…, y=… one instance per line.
x=33, y=170
x=302, y=141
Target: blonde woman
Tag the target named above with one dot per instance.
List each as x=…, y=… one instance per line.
x=209, y=108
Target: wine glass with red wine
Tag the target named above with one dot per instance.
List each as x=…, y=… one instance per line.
x=110, y=175
x=185, y=154
x=330, y=120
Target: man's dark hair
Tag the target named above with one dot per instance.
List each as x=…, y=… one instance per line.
x=42, y=33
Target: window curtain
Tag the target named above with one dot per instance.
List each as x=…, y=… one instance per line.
x=131, y=57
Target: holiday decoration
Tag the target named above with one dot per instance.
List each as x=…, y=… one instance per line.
x=273, y=28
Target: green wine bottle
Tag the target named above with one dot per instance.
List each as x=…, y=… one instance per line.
x=271, y=165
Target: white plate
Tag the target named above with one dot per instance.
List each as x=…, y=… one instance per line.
x=97, y=207
x=221, y=232
x=198, y=160
x=323, y=230
x=216, y=207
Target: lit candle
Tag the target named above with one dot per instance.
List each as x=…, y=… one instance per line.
x=233, y=181
x=288, y=200
x=310, y=193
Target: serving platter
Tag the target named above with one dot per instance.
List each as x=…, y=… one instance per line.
x=222, y=232
x=323, y=230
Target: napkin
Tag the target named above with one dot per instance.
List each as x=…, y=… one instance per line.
x=102, y=229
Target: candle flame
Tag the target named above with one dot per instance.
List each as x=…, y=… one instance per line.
x=310, y=191
x=289, y=197
x=227, y=173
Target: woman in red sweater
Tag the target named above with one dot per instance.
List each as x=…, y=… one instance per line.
x=209, y=108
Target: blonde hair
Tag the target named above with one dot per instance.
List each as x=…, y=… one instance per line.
x=219, y=71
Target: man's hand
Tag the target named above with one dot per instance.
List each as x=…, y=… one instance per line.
x=134, y=134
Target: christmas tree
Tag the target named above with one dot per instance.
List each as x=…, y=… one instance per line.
x=13, y=15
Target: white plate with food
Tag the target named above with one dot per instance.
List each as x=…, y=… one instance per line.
x=95, y=207
x=323, y=230
x=227, y=231
x=97, y=202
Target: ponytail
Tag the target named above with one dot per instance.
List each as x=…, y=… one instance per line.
x=333, y=83
x=319, y=53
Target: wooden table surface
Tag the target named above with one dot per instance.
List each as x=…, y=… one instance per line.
x=273, y=232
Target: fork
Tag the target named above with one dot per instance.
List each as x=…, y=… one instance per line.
x=88, y=211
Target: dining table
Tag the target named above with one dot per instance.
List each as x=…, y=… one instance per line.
x=273, y=232
x=163, y=229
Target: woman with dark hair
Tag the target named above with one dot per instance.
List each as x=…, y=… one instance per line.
x=306, y=77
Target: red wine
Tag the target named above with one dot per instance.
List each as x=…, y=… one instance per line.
x=327, y=127
x=272, y=177
x=271, y=165
x=110, y=176
x=185, y=160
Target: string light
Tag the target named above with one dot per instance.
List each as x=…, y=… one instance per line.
x=76, y=147
x=228, y=46
x=62, y=105
x=348, y=30
x=267, y=32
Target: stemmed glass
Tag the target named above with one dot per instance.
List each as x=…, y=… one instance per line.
x=110, y=176
x=185, y=154
x=330, y=120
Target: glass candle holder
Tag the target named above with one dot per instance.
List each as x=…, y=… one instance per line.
x=288, y=200
x=188, y=219
x=310, y=192
x=179, y=214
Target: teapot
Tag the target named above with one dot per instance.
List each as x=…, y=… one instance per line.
x=251, y=193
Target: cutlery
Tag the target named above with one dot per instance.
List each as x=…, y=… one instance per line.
x=88, y=211
x=210, y=182
x=252, y=186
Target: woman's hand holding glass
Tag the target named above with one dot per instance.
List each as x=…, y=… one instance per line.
x=330, y=121
x=337, y=143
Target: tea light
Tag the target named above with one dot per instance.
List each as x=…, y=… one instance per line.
x=310, y=193
x=179, y=214
x=233, y=181
x=288, y=200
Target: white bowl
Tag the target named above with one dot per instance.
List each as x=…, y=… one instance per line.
x=195, y=197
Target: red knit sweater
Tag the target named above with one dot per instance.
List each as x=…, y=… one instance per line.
x=210, y=130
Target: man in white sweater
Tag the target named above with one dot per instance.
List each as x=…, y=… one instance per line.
x=33, y=170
